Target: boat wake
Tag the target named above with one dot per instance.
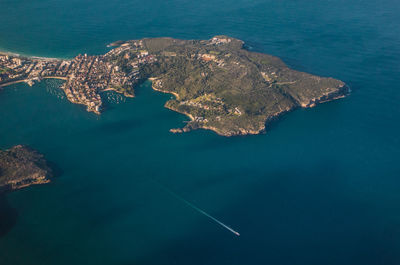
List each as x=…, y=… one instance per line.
x=198, y=209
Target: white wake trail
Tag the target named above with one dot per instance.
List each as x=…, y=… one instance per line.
x=198, y=209
x=212, y=218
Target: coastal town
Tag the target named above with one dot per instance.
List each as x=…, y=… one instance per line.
x=85, y=76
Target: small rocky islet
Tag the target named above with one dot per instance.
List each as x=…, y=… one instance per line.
x=22, y=166
x=217, y=83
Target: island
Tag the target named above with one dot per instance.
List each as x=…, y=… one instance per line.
x=21, y=166
x=217, y=83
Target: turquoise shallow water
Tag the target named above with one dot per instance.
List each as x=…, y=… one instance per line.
x=321, y=187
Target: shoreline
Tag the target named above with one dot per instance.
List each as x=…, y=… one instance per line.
x=176, y=96
x=331, y=97
x=4, y=52
x=116, y=91
x=314, y=102
x=160, y=90
x=185, y=129
x=27, y=80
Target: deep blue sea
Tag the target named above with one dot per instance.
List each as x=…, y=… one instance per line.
x=322, y=186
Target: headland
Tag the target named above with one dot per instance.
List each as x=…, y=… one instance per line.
x=217, y=83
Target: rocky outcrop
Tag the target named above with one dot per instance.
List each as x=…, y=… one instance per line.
x=336, y=93
x=21, y=166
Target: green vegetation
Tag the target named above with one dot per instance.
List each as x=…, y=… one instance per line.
x=125, y=90
x=248, y=89
x=21, y=166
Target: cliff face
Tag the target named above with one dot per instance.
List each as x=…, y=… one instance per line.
x=21, y=166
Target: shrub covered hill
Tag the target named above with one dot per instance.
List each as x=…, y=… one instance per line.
x=228, y=89
x=217, y=83
x=21, y=166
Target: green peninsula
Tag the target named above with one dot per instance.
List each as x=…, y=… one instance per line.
x=217, y=83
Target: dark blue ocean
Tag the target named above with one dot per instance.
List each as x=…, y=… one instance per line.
x=322, y=186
